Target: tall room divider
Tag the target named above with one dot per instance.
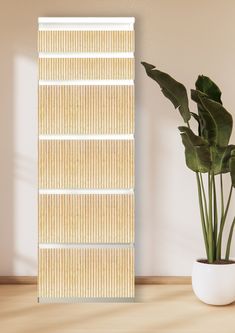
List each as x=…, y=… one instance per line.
x=86, y=159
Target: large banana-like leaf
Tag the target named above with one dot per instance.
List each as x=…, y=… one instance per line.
x=217, y=122
x=223, y=121
x=221, y=158
x=199, y=121
x=207, y=124
x=226, y=158
x=172, y=89
x=197, y=151
x=207, y=86
x=232, y=167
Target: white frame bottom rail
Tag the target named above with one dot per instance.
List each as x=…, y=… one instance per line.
x=48, y=300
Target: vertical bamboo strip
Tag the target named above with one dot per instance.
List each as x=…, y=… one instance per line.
x=86, y=41
x=86, y=110
x=94, y=272
x=89, y=218
x=86, y=69
x=86, y=164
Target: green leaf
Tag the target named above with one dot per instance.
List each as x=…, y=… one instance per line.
x=207, y=86
x=232, y=167
x=207, y=123
x=223, y=121
x=217, y=122
x=226, y=158
x=198, y=119
x=172, y=89
x=217, y=154
x=220, y=158
x=197, y=151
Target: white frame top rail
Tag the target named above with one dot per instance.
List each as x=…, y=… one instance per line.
x=86, y=23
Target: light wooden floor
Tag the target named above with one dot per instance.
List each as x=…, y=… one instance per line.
x=158, y=309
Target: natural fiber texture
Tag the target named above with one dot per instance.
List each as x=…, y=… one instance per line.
x=84, y=164
x=104, y=272
x=86, y=218
x=75, y=108
x=86, y=69
x=86, y=41
x=86, y=109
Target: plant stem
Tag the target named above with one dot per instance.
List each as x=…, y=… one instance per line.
x=229, y=240
x=210, y=224
x=222, y=223
x=215, y=214
x=222, y=195
x=218, y=247
x=202, y=214
x=205, y=201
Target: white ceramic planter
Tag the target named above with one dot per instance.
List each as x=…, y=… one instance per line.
x=214, y=284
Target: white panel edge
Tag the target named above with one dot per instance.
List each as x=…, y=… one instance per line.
x=86, y=23
x=87, y=137
x=86, y=20
x=43, y=55
x=73, y=300
x=85, y=27
x=85, y=191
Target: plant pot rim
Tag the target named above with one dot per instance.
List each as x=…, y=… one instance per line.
x=215, y=265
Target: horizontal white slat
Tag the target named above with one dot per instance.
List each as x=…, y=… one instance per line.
x=86, y=55
x=86, y=23
x=86, y=83
x=87, y=137
x=85, y=27
x=86, y=20
x=85, y=191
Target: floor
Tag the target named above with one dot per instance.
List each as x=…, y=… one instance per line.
x=157, y=309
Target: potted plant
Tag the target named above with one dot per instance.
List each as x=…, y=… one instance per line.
x=209, y=155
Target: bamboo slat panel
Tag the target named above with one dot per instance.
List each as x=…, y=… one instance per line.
x=86, y=109
x=86, y=218
x=86, y=41
x=92, y=272
x=86, y=164
x=86, y=69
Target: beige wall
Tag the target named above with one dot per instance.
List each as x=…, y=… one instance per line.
x=184, y=38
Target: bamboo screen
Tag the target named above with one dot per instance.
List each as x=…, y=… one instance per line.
x=86, y=159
